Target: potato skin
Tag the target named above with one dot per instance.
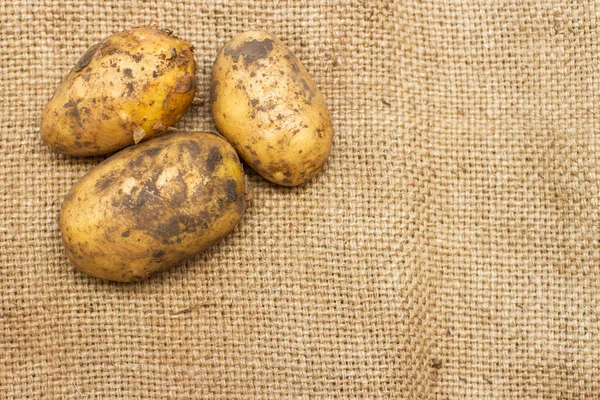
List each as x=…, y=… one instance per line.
x=127, y=88
x=266, y=104
x=151, y=206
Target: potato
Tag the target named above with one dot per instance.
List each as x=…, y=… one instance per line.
x=151, y=206
x=127, y=88
x=266, y=104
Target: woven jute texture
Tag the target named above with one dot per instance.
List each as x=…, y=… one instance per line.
x=449, y=249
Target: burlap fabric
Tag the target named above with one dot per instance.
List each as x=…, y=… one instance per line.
x=450, y=248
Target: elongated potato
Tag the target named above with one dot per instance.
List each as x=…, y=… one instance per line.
x=151, y=206
x=127, y=88
x=266, y=104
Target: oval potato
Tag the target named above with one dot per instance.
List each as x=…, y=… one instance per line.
x=151, y=206
x=129, y=87
x=266, y=104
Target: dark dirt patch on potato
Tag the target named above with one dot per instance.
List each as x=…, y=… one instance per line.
x=86, y=58
x=191, y=147
x=177, y=225
x=213, y=90
x=158, y=253
x=309, y=93
x=231, y=190
x=185, y=84
x=153, y=151
x=105, y=182
x=251, y=51
x=214, y=158
x=73, y=111
x=147, y=193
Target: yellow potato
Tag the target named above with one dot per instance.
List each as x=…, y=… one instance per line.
x=266, y=104
x=151, y=206
x=129, y=87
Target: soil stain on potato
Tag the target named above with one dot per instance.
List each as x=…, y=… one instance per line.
x=86, y=58
x=191, y=146
x=185, y=84
x=231, y=190
x=158, y=253
x=251, y=51
x=214, y=158
x=213, y=90
x=103, y=184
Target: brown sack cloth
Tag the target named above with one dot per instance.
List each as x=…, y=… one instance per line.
x=450, y=249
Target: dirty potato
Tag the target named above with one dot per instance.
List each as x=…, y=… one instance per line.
x=151, y=206
x=127, y=88
x=266, y=104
